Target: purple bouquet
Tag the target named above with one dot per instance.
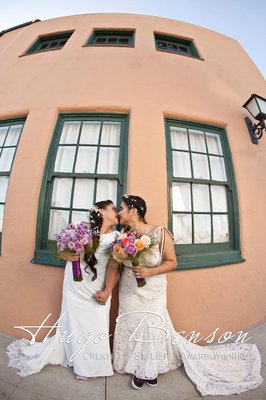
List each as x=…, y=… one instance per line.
x=75, y=239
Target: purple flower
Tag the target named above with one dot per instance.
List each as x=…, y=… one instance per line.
x=130, y=249
x=78, y=247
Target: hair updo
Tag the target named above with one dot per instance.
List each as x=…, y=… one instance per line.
x=96, y=221
x=137, y=202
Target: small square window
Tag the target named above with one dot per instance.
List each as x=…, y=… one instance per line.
x=175, y=45
x=111, y=38
x=51, y=42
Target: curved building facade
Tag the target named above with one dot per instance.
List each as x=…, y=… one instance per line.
x=96, y=105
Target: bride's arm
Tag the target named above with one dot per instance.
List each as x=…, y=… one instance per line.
x=169, y=260
x=113, y=272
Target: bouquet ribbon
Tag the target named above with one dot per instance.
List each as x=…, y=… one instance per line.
x=77, y=275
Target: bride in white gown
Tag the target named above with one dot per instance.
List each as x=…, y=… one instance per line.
x=145, y=341
x=83, y=326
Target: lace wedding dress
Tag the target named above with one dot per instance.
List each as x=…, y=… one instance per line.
x=81, y=341
x=146, y=343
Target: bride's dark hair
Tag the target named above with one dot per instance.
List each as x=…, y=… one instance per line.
x=96, y=221
x=137, y=202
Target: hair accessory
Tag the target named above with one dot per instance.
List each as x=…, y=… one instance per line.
x=93, y=209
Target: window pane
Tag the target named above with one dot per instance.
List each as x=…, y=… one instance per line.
x=7, y=158
x=179, y=138
x=111, y=133
x=1, y=216
x=62, y=192
x=3, y=188
x=3, y=131
x=80, y=216
x=217, y=168
x=219, y=203
x=200, y=166
x=108, y=160
x=83, y=195
x=220, y=228
x=181, y=164
x=64, y=159
x=201, y=198
x=214, y=143
x=106, y=189
x=86, y=159
x=202, y=228
x=13, y=135
x=181, y=196
x=182, y=228
x=197, y=141
x=58, y=220
x=70, y=133
x=90, y=132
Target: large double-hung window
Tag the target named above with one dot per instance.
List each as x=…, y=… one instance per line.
x=10, y=132
x=203, y=207
x=86, y=163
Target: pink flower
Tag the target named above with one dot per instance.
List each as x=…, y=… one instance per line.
x=78, y=247
x=130, y=249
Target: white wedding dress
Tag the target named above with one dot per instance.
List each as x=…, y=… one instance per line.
x=141, y=347
x=81, y=341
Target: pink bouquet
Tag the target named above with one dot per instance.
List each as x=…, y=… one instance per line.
x=128, y=248
x=76, y=238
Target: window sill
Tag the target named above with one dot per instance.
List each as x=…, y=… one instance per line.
x=108, y=45
x=46, y=258
x=181, y=54
x=208, y=260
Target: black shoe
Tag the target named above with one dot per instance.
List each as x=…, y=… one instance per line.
x=137, y=383
x=151, y=382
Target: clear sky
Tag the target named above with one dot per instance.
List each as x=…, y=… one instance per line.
x=243, y=20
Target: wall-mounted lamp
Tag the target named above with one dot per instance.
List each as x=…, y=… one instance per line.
x=256, y=105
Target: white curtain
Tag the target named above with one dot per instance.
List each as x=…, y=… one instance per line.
x=220, y=228
x=1, y=216
x=179, y=138
x=217, y=168
x=201, y=198
x=181, y=164
x=106, y=189
x=197, y=141
x=90, y=132
x=6, y=158
x=214, y=143
x=13, y=135
x=3, y=188
x=202, y=222
x=86, y=159
x=182, y=228
x=70, y=133
x=108, y=160
x=58, y=220
x=181, y=196
x=3, y=132
x=83, y=193
x=202, y=228
x=219, y=202
x=200, y=166
x=65, y=159
x=111, y=133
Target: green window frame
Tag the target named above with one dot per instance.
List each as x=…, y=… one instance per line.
x=118, y=38
x=86, y=162
x=10, y=133
x=50, y=42
x=202, y=195
x=177, y=45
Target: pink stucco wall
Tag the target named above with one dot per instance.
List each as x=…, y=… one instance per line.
x=149, y=85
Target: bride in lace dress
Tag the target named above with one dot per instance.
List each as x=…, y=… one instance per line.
x=82, y=320
x=145, y=341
